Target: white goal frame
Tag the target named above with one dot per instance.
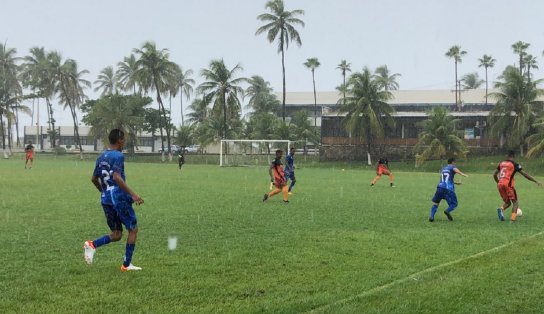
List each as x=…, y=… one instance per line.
x=248, y=141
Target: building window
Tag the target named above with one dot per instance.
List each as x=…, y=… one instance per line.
x=145, y=141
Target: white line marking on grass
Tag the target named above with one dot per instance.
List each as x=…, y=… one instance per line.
x=419, y=273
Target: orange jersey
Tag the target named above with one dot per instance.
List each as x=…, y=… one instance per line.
x=277, y=170
x=507, y=169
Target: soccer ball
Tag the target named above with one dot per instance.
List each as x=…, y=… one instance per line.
x=519, y=212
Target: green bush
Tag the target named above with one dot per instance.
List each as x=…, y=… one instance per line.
x=59, y=150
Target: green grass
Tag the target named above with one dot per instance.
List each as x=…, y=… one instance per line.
x=338, y=247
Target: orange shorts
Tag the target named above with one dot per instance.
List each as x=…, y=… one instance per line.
x=29, y=156
x=508, y=193
x=383, y=170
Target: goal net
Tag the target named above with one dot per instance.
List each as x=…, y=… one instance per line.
x=250, y=152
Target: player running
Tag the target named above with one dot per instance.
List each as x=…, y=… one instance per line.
x=116, y=198
x=29, y=154
x=382, y=167
x=504, y=176
x=446, y=190
x=181, y=158
x=289, y=169
x=277, y=178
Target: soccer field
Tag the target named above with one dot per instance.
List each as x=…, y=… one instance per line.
x=340, y=246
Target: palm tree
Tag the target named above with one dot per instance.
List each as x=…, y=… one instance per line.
x=516, y=107
x=107, y=82
x=281, y=24
x=520, y=49
x=261, y=97
x=127, y=74
x=385, y=79
x=487, y=62
x=344, y=67
x=531, y=63
x=471, y=81
x=366, y=108
x=222, y=87
x=312, y=64
x=155, y=72
x=535, y=142
x=185, y=83
x=10, y=89
x=439, y=138
x=70, y=89
x=200, y=111
x=456, y=54
x=302, y=129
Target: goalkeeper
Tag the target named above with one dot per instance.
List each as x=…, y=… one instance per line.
x=277, y=177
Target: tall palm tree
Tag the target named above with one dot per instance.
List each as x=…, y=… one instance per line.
x=385, y=79
x=456, y=54
x=486, y=61
x=312, y=64
x=185, y=83
x=127, y=74
x=10, y=88
x=222, y=87
x=471, y=81
x=261, y=98
x=520, y=48
x=366, y=108
x=516, y=107
x=280, y=24
x=107, y=82
x=530, y=62
x=439, y=137
x=70, y=91
x=155, y=72
x=344, y=67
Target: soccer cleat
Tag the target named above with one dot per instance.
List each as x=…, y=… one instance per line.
x=265, y=197
x=286, y=202
x=393, y=186
x=290, y=193
x=431, y=219
x=500, y=214
x=130, y=268
x=450, y=218
x=89, y=250
x=371, y=184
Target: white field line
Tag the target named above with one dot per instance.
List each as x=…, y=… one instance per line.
x=419, y=273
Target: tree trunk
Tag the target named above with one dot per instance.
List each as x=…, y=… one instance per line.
x=456, y=83
x=51, y=123
x=16, y=114
x=521, y=150
x=181, y=104
x=283, y=74
x=224, y=115
x=159, y=100
x=3, y=136
x=486, y=85
x=344, y=87
x=76, y=131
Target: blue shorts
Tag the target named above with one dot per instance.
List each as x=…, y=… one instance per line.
x=290, y=175
x=445, y=194
x=120, y=214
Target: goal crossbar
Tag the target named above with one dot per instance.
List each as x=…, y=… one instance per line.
x=226, y=141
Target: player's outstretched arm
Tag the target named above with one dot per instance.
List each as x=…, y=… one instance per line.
x=529, y=177
x=123, y=185
x=496, y=175
x=460, y=173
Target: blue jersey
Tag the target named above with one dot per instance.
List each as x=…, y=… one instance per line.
x=109, y=162
x=446, y=178
x=289, y=164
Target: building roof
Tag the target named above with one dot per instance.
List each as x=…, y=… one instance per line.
x=400, y=97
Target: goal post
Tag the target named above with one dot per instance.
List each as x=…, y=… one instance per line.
x=249, y=152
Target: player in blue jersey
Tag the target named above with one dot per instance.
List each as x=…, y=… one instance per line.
x=289, y=170
x=116, y=199
x=446, y=189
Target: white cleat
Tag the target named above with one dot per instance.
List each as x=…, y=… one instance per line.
x=130, y=268
x=89, y=250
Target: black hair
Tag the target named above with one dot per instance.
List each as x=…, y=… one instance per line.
x=116, y=135
x=279, y=151
x=450, y=160
x=511, y=153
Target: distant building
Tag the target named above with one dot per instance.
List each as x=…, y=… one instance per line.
x=411, y=107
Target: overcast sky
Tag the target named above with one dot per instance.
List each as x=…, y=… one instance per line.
x=410, y=37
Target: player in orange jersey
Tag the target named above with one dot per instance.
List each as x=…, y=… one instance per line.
x=504, y=176
x=383, y=168
x=277, y=178
x=29, y=154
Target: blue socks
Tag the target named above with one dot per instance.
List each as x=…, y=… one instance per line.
x=434, y=208
x=128, y=254
x=101, y=241
x=292, y=185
